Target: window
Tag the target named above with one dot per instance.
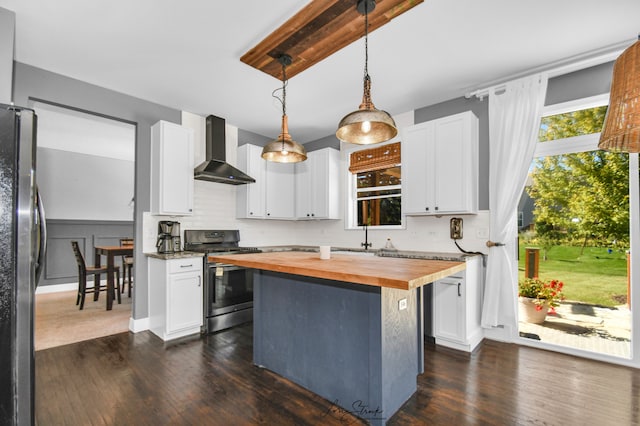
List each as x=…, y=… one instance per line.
x=376, y=186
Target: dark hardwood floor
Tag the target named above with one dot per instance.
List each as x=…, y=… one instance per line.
x=136, y=379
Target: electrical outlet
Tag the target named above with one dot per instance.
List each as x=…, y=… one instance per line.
x=455, y=228
x=402, y=304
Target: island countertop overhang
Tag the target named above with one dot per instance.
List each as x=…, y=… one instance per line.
x=391, y=272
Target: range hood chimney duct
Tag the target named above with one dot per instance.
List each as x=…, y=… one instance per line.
x=215, y=168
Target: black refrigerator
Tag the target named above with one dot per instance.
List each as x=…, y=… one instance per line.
x=22, y=247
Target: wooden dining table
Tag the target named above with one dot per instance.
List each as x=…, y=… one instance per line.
x=110, y=252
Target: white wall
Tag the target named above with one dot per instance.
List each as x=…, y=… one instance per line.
x=215, y=208
x=7, y=33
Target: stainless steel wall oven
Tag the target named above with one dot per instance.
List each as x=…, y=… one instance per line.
x=228, y=290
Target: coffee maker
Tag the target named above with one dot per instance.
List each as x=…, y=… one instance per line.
x=168, y=237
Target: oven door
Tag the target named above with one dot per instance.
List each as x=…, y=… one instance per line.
x=230, y=289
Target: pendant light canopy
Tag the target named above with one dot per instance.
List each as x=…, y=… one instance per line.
x=621, y=129
x=367, y=125
x=284, y=149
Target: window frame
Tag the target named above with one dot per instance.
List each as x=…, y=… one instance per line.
x=351, y=209
x=585, y=143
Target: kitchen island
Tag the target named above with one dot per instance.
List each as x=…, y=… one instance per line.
x=348, y=328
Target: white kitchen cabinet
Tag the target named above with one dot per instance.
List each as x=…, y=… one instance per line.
x=457, y=303
x=280, y=190
x=171, y=169
x=317, y=185
x=250, y=198
x=175, y=297
x=272, y=194
x=440, y=166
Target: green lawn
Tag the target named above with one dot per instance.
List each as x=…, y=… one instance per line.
x=595, y=277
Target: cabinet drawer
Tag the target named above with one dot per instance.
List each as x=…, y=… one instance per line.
x=185, y=265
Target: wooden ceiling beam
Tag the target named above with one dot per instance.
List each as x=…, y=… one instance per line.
x=317, y=31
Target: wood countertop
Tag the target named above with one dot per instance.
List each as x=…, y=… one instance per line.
x=405, y=274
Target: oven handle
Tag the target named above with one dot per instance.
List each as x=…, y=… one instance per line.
x=226, y=267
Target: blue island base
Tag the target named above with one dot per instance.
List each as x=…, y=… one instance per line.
x=355, y=345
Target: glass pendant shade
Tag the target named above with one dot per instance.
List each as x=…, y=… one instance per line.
x=284, y=149
x=367, y=125
x=621, y=129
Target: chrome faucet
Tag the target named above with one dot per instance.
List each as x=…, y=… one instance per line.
x=366, y=243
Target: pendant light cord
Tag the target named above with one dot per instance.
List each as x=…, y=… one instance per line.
x=366, y=40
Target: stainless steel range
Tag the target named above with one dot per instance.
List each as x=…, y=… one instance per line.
x=228, y=289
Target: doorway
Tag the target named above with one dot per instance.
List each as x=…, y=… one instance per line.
x=574, y=236
x=85, y=173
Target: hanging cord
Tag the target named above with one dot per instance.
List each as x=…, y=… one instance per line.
x=366, y=40
x=484, y=256
x=283, y=100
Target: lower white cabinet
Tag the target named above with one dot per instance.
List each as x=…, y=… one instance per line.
x=457, y=303
x=175, y=297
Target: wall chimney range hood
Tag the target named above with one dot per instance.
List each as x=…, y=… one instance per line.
x=215, y=168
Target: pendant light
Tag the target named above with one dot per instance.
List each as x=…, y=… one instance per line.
x=284, y=149
x=366, y=125
x=621, y=129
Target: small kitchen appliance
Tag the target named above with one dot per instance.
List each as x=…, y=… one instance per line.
x=175, y=237
x=168, y=241
x=228, y=289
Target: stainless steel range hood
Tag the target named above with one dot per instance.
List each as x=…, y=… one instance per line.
x=215, y=168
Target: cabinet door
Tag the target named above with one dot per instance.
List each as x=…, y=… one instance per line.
x=454, y=171
x=279, y=191
x=304, y=184
x=448, y=309
x=184, y=301
x=171, y=169
x=417, y=169
x=440, y=166
x=250, y=198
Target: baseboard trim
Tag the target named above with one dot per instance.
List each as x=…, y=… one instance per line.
x=56, y=288
x=138, y=325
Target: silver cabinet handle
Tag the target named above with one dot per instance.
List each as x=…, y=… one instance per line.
x=186, y=266
x=459, y=294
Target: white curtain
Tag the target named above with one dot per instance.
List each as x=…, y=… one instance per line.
x=514, y=119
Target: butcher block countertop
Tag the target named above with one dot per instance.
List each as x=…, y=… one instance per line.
x=400, y=273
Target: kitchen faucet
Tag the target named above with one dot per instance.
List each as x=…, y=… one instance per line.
x=366, y=243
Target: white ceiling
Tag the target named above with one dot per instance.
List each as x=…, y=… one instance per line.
x=185, y=54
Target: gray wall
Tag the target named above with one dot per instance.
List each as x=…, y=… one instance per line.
x=60, y=265
x=580, y=84
x=246, y=137
x=7, y=35
x=81, y=186
x=32, y=83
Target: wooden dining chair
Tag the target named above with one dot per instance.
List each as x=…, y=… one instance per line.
x=127, y=266
x=84, y=270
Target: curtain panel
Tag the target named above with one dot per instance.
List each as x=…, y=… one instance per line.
x=515, y=110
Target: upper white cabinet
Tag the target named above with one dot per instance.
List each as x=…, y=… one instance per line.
x=272, y=195
x=440, y=166
x=279, y=190
x=171, y=169
x=317, y=185
x=250, y=198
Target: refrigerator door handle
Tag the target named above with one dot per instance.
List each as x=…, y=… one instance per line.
x=41, y=226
